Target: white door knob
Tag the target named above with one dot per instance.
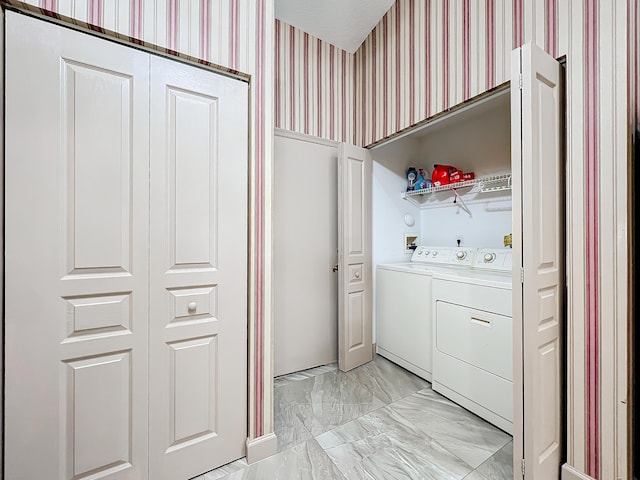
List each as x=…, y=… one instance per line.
x=357, y=274
x=192, y=307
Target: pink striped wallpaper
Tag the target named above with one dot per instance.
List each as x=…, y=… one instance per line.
x=443, y=52
x=422, y=58
x=231, y=35
x=313, y=91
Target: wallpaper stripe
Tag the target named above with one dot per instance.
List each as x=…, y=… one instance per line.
x=305, y=100
x=319, y=58
x=332, y=87
x=398, y=67
x=135, y=28
x=95, y=12
x=491, y=43
x=427, y=59
x=172, y=26
x=345, y=99
x=466, y=47
x=518, y=24
x=234, y=28
x=205, y=30
x=374, y=76
x=445, y=53
x=356, y=99
x=551, y=25
x=279, y=107
x=591, y=152
x=412, y=66
x=292, y=73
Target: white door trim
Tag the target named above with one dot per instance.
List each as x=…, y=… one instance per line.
x=303, y=137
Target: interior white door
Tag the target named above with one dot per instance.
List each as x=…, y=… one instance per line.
x=305, y=250
x=198, y=270
x=354, y=257
x=538, y=206
x=76, y=258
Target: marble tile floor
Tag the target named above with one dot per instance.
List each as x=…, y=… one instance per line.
x=376, y=422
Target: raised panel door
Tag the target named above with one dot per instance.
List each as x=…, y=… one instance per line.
x=198, y=275
x=76, y=254
x=538, y=250
x=355, y=342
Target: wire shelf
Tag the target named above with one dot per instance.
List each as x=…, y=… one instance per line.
x=486, y=184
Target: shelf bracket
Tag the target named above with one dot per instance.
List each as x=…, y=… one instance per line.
x=457, y=198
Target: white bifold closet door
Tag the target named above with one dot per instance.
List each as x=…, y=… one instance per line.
x=198, y=299
x=125, y=292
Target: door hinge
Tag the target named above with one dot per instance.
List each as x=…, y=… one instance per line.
x=522, y=466
x=520, y=81
x=522, y=275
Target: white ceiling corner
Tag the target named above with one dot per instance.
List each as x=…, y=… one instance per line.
x=344, y=23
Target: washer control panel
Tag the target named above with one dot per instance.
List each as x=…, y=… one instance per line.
x=444, y=255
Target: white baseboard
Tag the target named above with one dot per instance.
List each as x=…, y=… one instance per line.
x=261, y=447
x=570, y=473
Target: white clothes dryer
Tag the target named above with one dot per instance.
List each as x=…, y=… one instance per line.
x=473, y=337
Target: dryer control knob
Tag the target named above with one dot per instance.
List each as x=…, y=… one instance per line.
x=426, y=252
x=461, y=255
x=489, y=257
x=420, y=252
x=434, y=253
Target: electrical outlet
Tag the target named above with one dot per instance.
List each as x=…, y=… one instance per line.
x=459, y=239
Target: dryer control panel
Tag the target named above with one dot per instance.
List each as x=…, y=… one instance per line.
x=493, y=259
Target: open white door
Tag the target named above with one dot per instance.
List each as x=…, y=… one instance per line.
x=354, y=257
x=536, y=145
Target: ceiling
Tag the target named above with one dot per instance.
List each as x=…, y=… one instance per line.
x=344, y=23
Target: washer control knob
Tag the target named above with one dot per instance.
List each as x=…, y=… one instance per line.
x=426, y=252
x=489, y=257
x=461, y=254
x=435, y=254
x=420, y=252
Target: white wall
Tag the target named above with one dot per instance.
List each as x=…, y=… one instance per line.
x=389, y=208
x=490, y=220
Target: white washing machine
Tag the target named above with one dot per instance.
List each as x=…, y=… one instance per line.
x=473, y=337
x=404, y=305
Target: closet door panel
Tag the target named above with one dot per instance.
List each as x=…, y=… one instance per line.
x=198, y=279
x=96, y=124
x=76, y=254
